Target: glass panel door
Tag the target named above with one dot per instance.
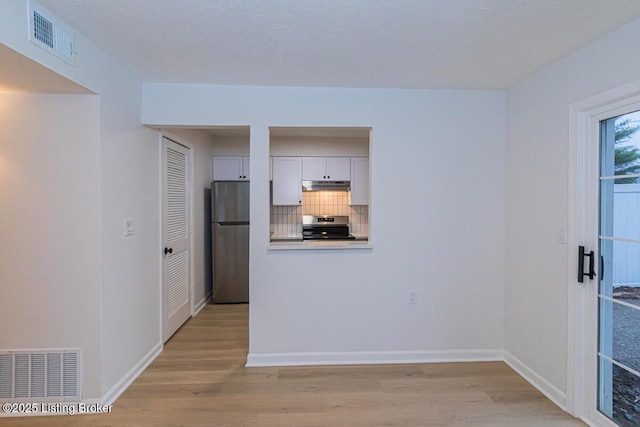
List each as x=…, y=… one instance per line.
x=619, y=289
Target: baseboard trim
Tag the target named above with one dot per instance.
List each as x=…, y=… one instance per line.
x=201, y=304
x=372, y=357
x=545, y=387
x=130, y=376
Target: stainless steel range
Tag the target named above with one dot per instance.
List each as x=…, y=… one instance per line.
x=326, y=227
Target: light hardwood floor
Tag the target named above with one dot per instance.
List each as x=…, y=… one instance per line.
x=200, y=380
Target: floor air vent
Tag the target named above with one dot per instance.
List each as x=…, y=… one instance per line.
x=50, y=33
x=40, y=375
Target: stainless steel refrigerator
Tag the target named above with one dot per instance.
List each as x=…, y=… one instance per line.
x=230, y=241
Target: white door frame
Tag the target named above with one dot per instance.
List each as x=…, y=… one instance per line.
x=583, y=180
x=190, y=190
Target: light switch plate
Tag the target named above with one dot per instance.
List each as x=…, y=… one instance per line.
x=563, y=234
x=413, y=297
x=129, y=227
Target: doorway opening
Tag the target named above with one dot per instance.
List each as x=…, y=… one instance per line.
x=619, y=282
x=603, y=384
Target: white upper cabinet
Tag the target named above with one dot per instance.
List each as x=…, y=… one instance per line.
x=326, y=168
x=227, y=168
x=339, y=168
x=314, y=168
x=287, y=187
x=245, y=168
x=359, y=181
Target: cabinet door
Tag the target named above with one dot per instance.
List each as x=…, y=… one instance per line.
x=314, y=168
x=245, y=168
x=359, y=181
x=287, y=186
x=339, y=168
x=227, y=169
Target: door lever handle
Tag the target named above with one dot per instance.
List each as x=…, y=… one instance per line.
x=592, y=272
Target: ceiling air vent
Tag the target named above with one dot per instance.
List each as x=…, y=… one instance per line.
x=48, y=32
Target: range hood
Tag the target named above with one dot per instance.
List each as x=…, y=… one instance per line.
x=326, y=185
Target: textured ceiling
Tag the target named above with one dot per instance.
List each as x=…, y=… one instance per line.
x=466, y=44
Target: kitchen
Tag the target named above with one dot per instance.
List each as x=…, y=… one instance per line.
x=319, y=187
x=319, y=176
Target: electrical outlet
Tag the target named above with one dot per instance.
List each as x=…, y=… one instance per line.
x=129, y=227
x=413, y=299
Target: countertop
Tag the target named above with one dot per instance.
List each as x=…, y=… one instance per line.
x=284, y=236
x=288, y=241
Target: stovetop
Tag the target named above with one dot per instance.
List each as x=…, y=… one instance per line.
x=326, y=227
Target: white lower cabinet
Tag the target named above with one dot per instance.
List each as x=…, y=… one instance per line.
x=287, y=177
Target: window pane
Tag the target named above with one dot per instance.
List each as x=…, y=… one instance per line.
x=620, y=270
x=621, y=324
x=625, y=273
x=619, y=210
x=622, y=154
x=617, y=399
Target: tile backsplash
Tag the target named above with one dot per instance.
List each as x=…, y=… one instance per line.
x=288, y=219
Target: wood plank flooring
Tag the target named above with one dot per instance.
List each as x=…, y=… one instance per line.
x=200, y=380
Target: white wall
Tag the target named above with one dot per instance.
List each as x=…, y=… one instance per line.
x=128, y=168
x=130, y=177
x=537, y=195
x=437, y=162
x=230, y=145
x=50, y=226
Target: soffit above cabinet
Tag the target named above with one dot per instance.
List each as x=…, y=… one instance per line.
x=325, y=132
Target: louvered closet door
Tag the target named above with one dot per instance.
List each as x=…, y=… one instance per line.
x=176, y=272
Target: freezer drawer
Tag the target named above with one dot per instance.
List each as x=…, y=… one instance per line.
x=230, y=263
